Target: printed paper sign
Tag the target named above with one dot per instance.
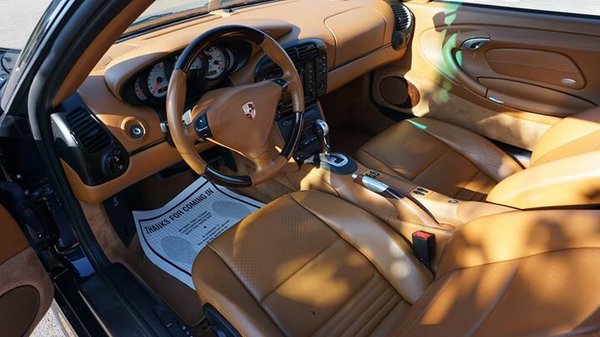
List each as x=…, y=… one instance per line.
x=172, y=236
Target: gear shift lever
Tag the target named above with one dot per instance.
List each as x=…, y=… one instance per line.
x=332, y=161
x=322, y=129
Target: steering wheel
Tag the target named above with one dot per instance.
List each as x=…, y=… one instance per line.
x=239, y=118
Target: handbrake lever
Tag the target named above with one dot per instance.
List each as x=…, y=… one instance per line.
x=401, y=202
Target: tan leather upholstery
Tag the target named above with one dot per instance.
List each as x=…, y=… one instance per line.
x=533, y=273
x=564, y=167
x=439, y=156
x=310, y=263
x=459, y=163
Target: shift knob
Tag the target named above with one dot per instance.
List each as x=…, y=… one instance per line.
x=322, y=129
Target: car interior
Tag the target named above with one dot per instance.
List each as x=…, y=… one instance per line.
x=428, y=168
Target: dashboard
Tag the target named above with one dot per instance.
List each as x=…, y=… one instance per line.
x=208, y=71
x=111, y=134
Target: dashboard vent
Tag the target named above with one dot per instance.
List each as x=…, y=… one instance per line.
x=91, y=135
x=303, y=52
x=403, y=17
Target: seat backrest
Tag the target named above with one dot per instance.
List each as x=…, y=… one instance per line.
x=564, y=170
x=524, y=273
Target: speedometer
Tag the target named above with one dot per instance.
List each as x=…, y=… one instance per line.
x=217, y=63
x=157, y=80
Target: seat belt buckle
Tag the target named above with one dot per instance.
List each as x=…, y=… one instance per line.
x=424, y=246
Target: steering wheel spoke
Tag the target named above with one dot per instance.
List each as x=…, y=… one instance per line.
x=201, y=126
x=282, y=82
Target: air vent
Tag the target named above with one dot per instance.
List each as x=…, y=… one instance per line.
x=303, y=52
x=403, y=17
x=88, y=131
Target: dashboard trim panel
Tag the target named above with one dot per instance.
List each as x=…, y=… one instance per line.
x=286, y=21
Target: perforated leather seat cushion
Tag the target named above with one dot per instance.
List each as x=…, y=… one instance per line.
x=310, y=264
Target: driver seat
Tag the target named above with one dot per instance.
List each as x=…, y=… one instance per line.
x=312, y=264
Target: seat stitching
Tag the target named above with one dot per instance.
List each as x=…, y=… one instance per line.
x=383, y=307
x=409, y=122
x=297, y=271
x=382, y=162
x=358, y=291
x=463, y=154
x=457, y=150
x=448, y=149
x=493, y=305
x=390, y=305
x=377, y=292
x=468, y=182
x=355, y=247
x=275, y=323
x=430, y=302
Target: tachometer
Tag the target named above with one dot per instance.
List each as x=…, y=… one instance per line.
x=157, y=80
x=217, y=63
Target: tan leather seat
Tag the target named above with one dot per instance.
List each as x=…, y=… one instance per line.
x=440, y=156
x=312, y=264
x=462, y=164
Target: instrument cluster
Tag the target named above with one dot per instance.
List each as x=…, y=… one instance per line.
x=149, y=86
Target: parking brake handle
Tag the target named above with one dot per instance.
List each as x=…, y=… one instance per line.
x=407, y=209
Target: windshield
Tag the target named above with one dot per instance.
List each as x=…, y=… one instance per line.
x=167, y=11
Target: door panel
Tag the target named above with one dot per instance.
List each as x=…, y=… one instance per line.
x=506, y=74
x=25, y=289
x=536, y=65
x=533, y=98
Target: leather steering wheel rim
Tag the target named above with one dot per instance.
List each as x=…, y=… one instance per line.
x=217, y=110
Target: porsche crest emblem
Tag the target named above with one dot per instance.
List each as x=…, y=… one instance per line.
x=249, y=109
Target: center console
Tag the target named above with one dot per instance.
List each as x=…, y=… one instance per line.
x=310, y=58
x=403, y=205
x=406, y=207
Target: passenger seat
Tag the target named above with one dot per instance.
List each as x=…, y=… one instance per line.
x=564, y=169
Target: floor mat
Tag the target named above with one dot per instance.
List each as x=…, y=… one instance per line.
x=171, y=236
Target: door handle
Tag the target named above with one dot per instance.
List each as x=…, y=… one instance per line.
x=474, y=43
x=457, y=73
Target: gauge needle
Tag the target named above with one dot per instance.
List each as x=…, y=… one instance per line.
x=158, y=80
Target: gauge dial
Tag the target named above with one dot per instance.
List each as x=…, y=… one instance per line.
x=197, y=65
x=139, y=92
x=8, y=60
x=230, y=58
x=217, y=63
x=157, y=80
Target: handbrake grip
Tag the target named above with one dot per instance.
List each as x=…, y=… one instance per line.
x=407, y=209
